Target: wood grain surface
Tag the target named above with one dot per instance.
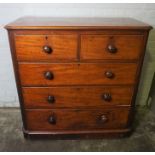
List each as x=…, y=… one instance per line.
x=77, y=74
x=30, y=47
x=76, y=119
x=77, y=23
x=74, y=97
x=96, y=46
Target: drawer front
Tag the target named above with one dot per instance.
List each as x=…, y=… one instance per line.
x=46, y=47
x=75, y=119
x=121, y=47
x=59, y=97
x=77, y=74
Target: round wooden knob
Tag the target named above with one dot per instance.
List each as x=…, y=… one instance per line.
x=103, y=119
x=106, y=96
x=51, y=99
x=112, y=49
x=109, y=74
x=47, y=49
x=49, y=75
x=52, y=119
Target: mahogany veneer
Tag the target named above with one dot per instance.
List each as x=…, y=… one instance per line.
x=64, y=97
x=77, y=77
x=28, y=46
x=76, y=74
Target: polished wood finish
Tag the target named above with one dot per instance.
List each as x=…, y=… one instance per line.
x=77, y=119
x=34, y=23
x=120, y=47
x=77, y=74
x=60, y=47
x=35, y=97
x=77, y=77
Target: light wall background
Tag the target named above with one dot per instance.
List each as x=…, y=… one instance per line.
x=9, y=12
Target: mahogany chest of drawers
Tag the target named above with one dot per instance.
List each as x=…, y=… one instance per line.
x=77, y=77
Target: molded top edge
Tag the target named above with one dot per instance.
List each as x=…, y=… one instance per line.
x=76, y=23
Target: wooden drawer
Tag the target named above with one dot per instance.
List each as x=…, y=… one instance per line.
x=76, y=119
x=46, y=47
x=120, y=47
x=77, y=74
x=60, y=97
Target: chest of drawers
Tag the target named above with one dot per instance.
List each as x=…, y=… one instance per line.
x=77, y=77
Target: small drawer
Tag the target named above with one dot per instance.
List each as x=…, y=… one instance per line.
x=121, y=47
x=77, y=74
x=76, y=119
x=61, y=97
x=46, y=47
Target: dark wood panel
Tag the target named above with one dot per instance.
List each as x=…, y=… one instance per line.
x=80, y=134
x=77, y=74
x=76, y=119
x=59, y=97
x=111, y=47
x=46, y=47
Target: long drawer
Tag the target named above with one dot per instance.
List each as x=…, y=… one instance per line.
x=77, y=74
x=76, y=119
x=60, y=97
x=122, y=47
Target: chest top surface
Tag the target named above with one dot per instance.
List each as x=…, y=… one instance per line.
x=76, y=23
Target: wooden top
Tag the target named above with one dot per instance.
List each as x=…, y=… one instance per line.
x=76, y=23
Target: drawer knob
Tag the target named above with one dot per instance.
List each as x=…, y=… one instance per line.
x=52, y=119
x=47, y=49
x=112, y=49
x=49, y=75
x=109, y=74
x=106, y=97
x=51, y=99
x=103, y=119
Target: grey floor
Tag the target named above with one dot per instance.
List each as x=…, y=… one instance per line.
x=11, y=137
